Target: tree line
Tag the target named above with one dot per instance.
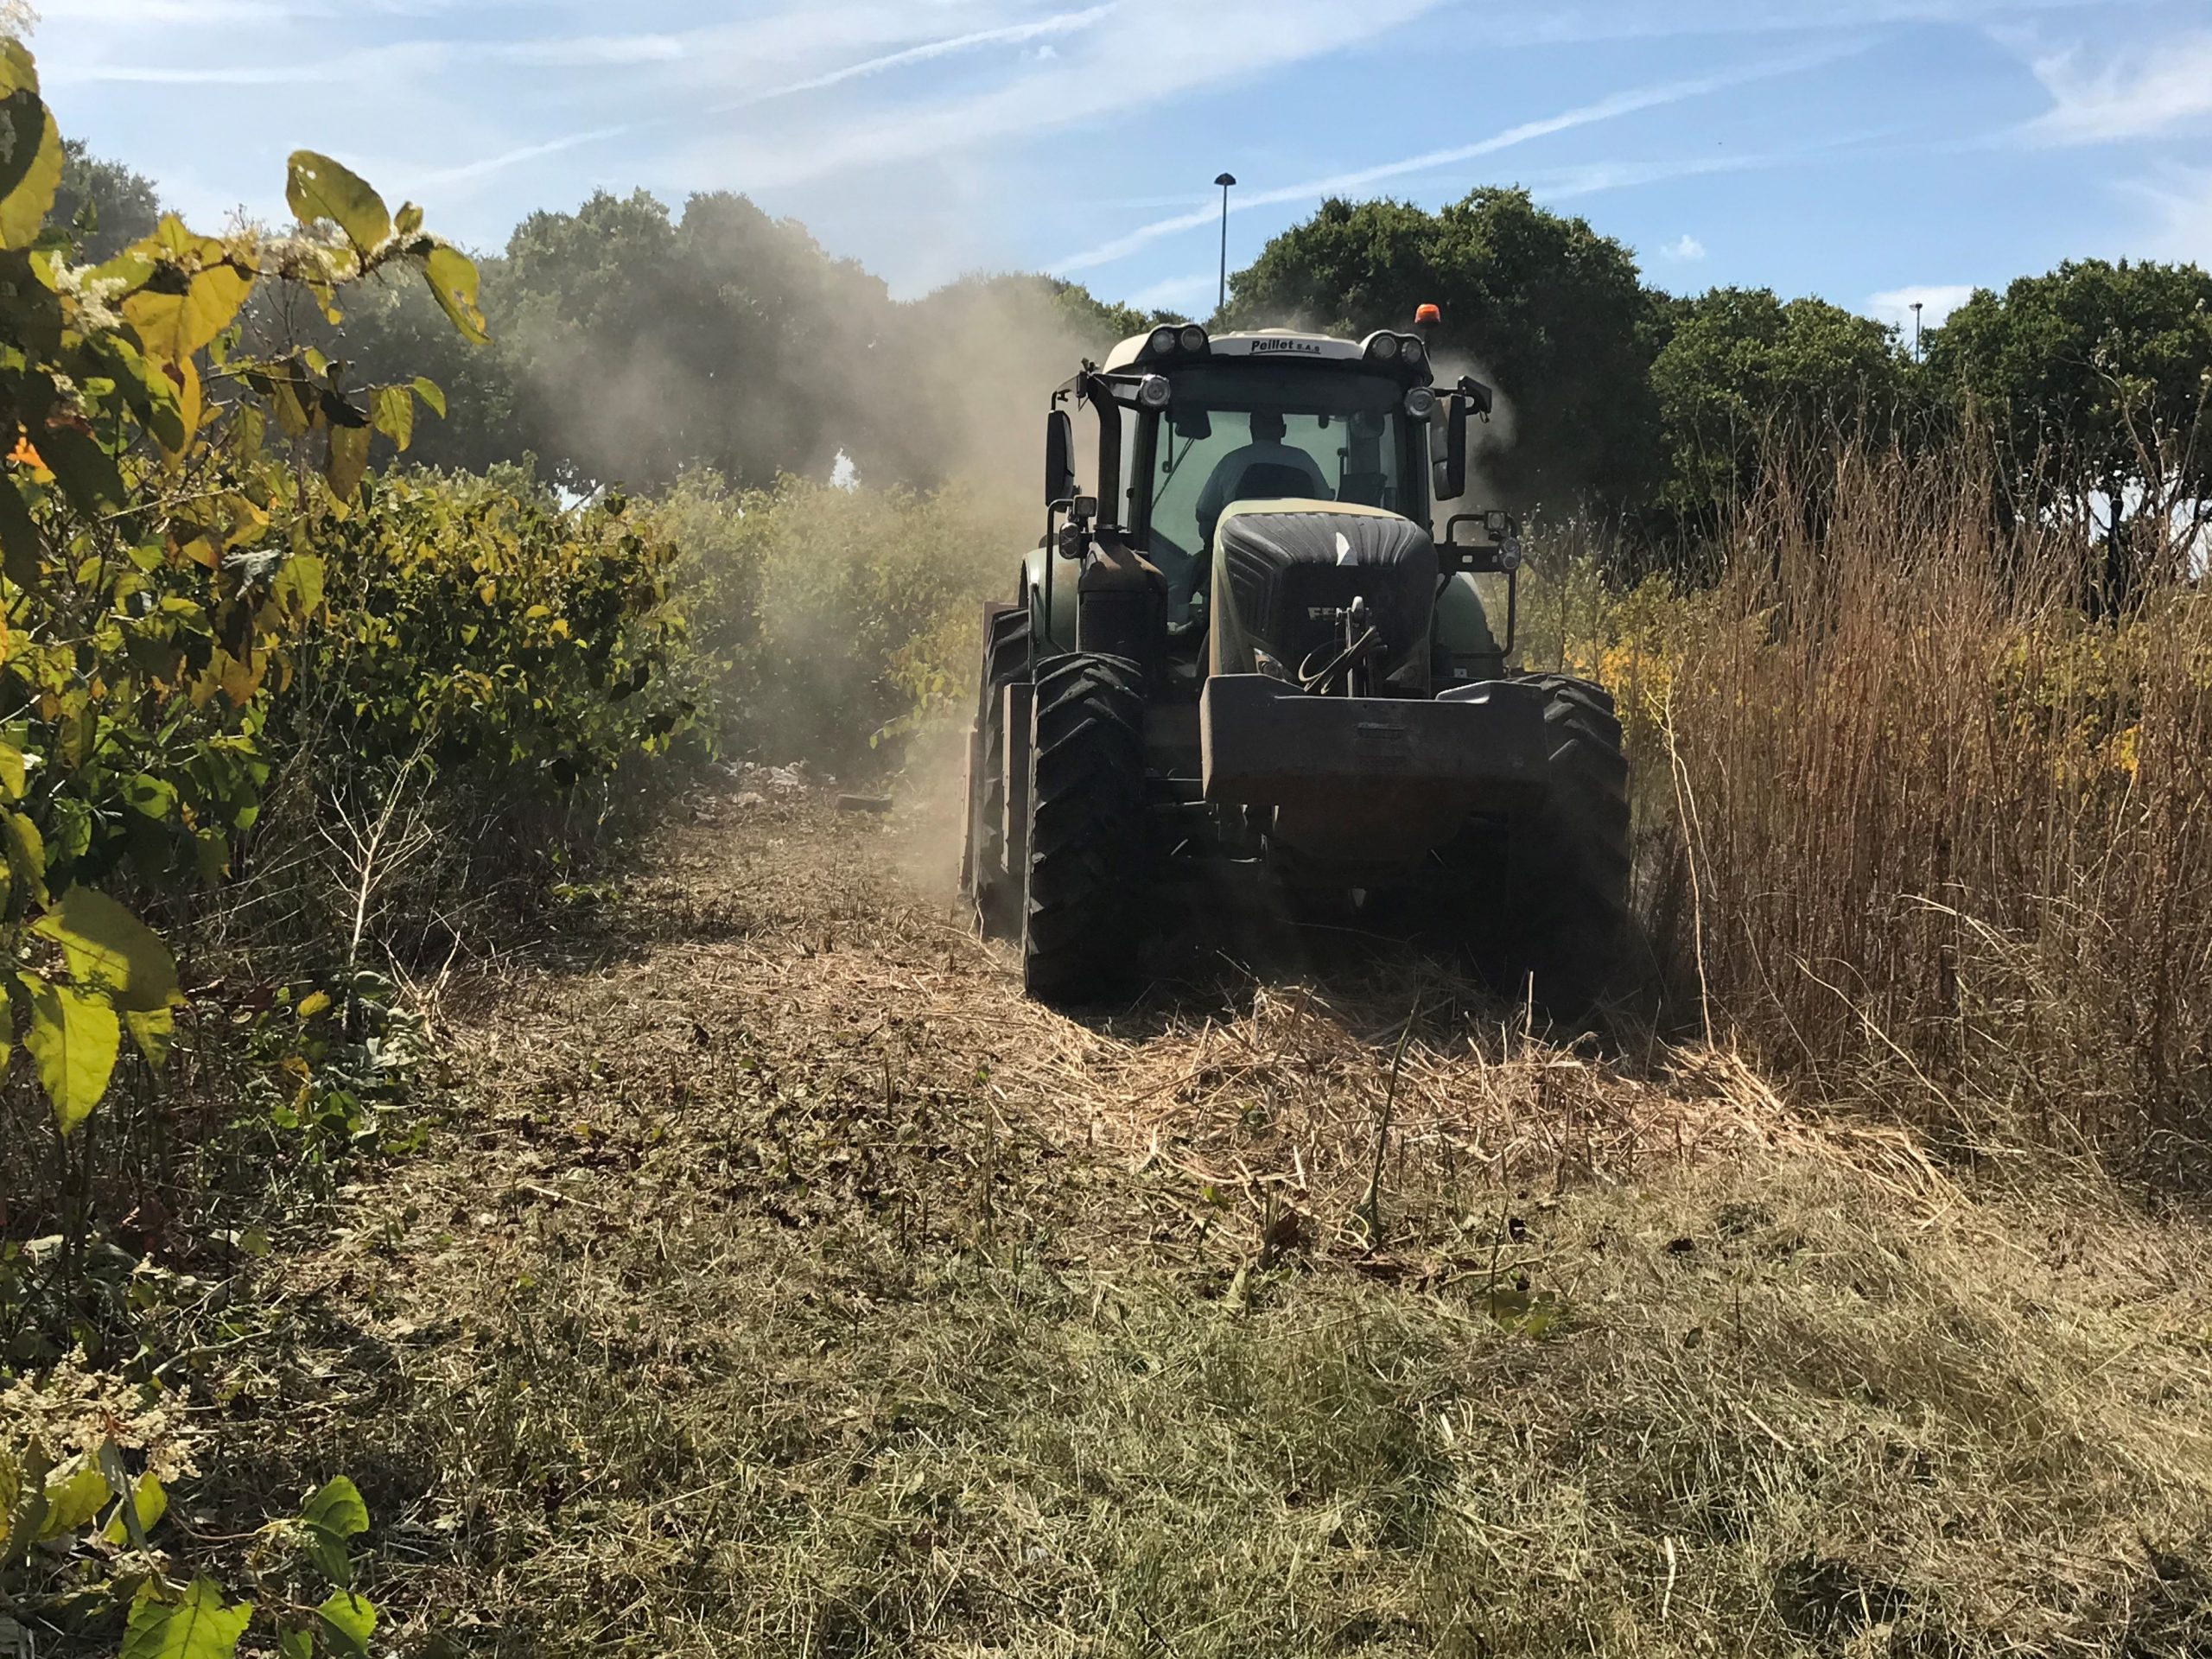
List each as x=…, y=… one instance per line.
x=630, y=343
x=1660, y=411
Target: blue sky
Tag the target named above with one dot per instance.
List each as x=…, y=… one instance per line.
x=1865, y=150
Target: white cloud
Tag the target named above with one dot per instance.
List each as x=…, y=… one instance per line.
x=469, y=172
x=1606, y=109
x=1099, y=74
x=2180, y=199
x=390, y=63
x=1011, y=35
x=1936, y=302
x=1685, y=248
x=2144, y=92
x=597, y=51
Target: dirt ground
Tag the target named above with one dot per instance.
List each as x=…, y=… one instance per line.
x=779, y=1281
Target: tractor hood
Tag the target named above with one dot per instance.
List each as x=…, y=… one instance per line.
x=1281, y=567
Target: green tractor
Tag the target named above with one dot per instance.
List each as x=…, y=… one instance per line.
x=1238, y=654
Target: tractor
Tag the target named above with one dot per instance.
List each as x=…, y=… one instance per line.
x=1240, y=654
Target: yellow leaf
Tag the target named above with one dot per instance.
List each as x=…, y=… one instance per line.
x=25, y=851
x=452, y=276
x=153, y=1030
x=186, y=379
x=202, y=286
x=73, y=1499
x=314, y=1003
x=72, y=1037
x=151, y=1503
x=319, y=188
x=349, y=459
x=31, y=173
x=109, y=949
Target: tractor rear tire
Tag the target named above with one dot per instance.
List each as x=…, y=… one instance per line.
x=993, y=887
x=1090, y=856
x=1566, y=910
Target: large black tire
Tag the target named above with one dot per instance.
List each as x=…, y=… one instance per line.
x=1566, y=909
x=993, y=888
x=1090, y=835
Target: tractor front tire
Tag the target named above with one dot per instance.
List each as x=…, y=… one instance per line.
x=1567, y=862
x=1089, y=852
x=994, y=885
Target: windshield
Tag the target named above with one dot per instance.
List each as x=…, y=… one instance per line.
x=1238, y=433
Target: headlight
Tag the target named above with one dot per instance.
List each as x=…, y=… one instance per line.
x=1161, y=343
x=1421, y=404
x=1415, y=352
x=1192, y=339
x=1153, y=391
x=1509, y=555
x=1383, y=348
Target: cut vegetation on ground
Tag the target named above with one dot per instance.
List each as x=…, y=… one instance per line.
x=780, y=1282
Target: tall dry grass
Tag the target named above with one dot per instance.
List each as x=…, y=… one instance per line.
x=1922, y=830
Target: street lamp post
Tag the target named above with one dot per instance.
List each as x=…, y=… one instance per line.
x=1221, y=302
x=1916, y=329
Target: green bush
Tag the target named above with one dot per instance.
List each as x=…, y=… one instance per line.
x=522, y=650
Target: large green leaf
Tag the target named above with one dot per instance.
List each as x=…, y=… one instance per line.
x=72, y=1037
x=336, y=1507
x=109, y=947
x=432, y=395
x=452, y=276
x=348, y=1620
x=318, y=187
x=31, y=171
x=335, y=1514
x=198, y=1627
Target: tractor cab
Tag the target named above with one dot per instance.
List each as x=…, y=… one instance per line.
x=1202, y=449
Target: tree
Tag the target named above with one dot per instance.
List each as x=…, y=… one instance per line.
x=1740, y=370
x=2094, y=379
x=1539, y=304
x=118, y=205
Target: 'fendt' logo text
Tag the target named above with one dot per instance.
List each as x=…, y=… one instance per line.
x=1311, y=348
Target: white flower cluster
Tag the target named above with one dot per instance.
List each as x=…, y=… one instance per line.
x=305, y=258
x=94, y=296
x=76, y=1410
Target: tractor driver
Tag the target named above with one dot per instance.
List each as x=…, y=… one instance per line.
x=1265, y=469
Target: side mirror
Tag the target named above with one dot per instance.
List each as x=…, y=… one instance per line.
x=1452, y=466
x=1477, y=394
x=1059, y=457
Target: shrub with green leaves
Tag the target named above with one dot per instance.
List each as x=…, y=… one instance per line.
x=519, y=648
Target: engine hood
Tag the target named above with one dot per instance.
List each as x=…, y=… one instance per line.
x=1277, y=563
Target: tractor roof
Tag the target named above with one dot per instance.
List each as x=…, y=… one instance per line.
x=1262, y=342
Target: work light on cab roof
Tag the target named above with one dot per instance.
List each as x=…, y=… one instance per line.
x=1249, y=652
